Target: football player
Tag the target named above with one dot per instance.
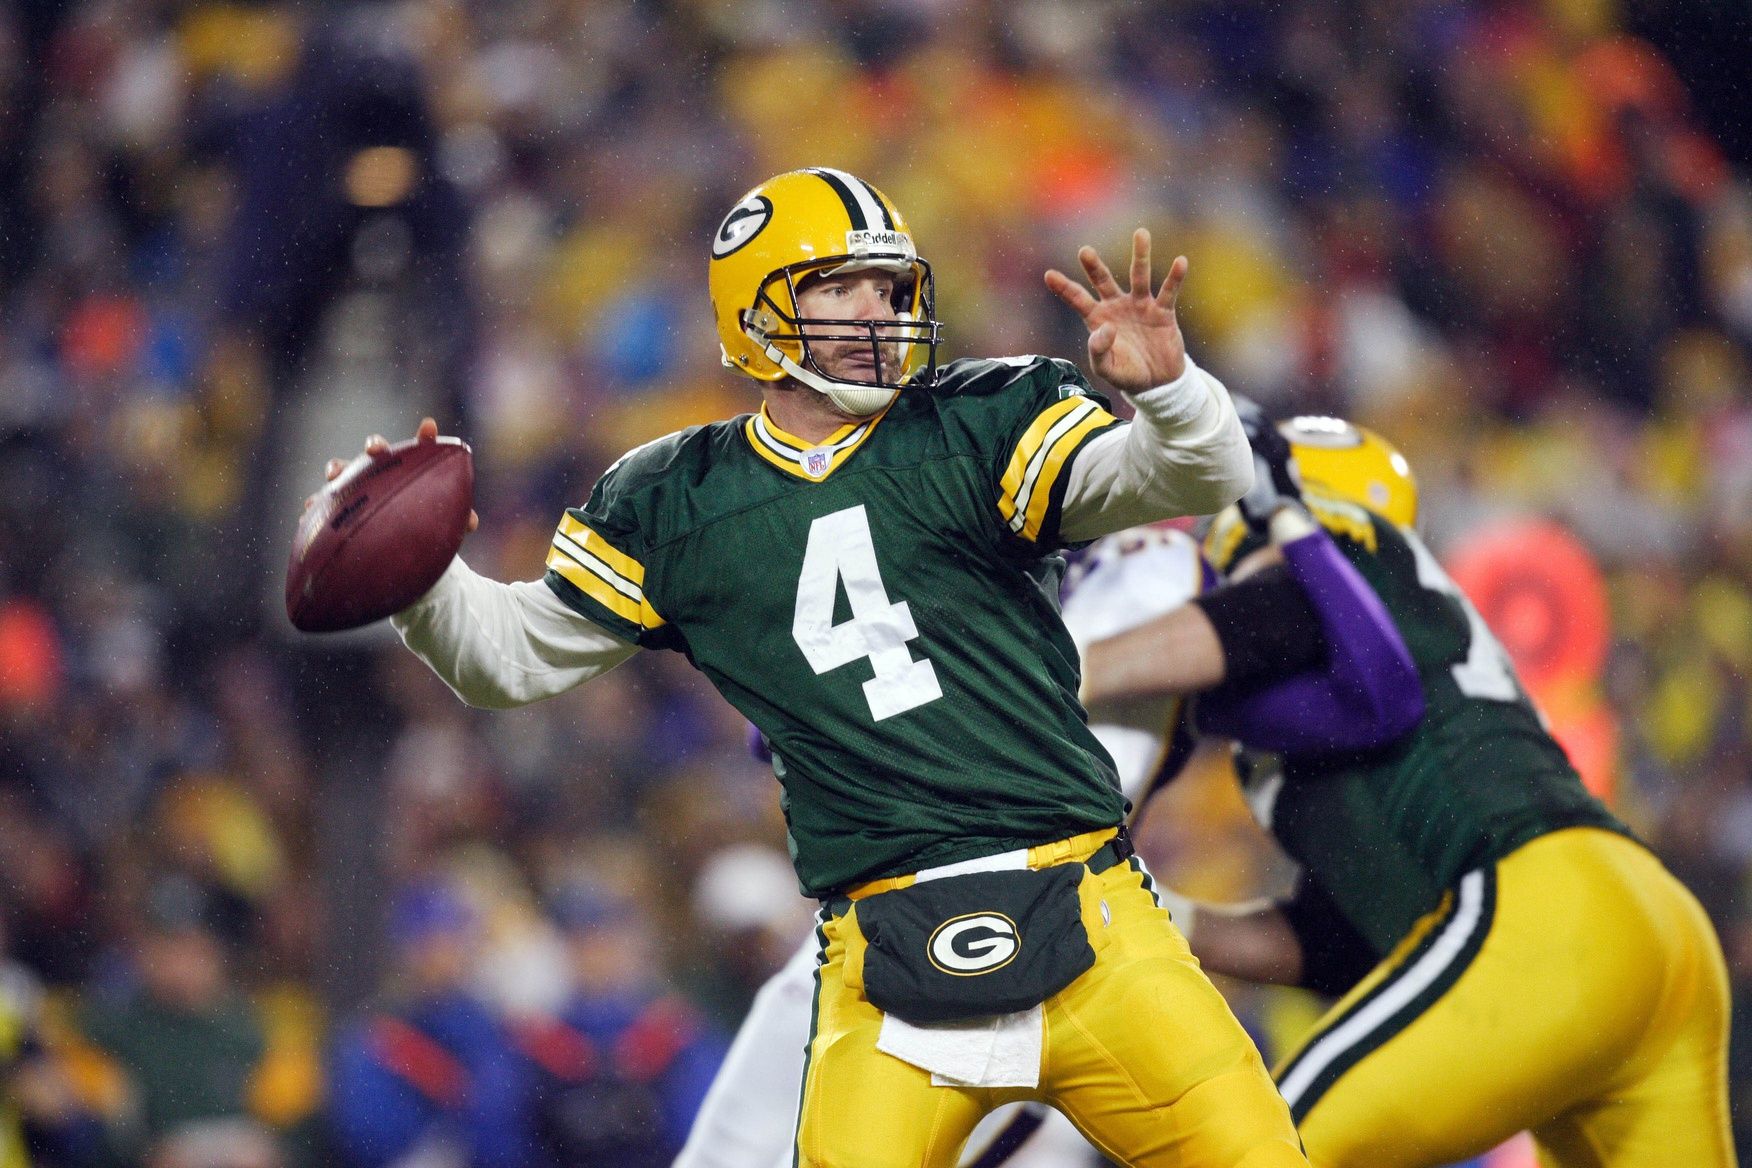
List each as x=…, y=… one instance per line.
x=865, y=569
x=1366, y=681
x=1508, y=955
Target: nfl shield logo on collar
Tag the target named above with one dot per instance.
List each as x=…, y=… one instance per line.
x=816, y=462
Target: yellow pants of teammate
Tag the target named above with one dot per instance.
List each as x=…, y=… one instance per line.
x=1575, y=990
x=1140, y=1052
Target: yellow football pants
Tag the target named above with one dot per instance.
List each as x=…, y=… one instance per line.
x=1140, y=1052
x=1575, y=990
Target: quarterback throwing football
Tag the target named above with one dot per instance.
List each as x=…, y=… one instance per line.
x=866, y=569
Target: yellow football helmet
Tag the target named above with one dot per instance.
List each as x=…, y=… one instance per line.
x=819, y=222
x=1355, y=464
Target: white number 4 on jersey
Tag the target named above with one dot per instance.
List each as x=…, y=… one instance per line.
x=840, y=549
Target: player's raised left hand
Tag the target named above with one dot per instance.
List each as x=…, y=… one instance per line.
x=1134, y=336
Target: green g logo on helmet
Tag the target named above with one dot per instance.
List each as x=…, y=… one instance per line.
x=808, y=223
x=741, y=225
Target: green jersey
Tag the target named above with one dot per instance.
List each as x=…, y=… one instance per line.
x=882, y=605
x=1381, y=834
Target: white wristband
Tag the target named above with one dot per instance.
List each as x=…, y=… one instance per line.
x=1291, y=522
x=1174, y=403
x=1183, y=910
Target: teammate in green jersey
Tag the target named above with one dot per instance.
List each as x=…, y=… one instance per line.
x=866, y=568
x=1507, y=956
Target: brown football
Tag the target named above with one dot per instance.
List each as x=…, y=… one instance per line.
x=377, y=537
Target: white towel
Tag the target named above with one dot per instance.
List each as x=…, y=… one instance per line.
x=1000, y=1050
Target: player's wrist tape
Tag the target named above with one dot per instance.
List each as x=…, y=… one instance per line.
x=1265, y=624
x=1291, y=522
x=1183, y=910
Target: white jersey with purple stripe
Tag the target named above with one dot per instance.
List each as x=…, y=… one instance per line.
x=1116, y=584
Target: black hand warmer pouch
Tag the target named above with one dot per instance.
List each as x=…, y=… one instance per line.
x=974, y=945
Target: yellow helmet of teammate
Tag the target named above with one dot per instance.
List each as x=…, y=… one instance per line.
x=819, y=222
x=1353, y=463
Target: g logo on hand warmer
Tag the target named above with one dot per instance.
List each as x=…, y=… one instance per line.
x=975, y=943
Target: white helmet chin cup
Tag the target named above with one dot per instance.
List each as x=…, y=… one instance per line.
x=858, y=400
x=860, y=403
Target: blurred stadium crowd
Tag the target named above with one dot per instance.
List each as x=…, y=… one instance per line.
x=277, y=901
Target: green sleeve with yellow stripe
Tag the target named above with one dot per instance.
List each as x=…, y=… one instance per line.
x=591, y=571
x=881, y=603
x=596, y=562
x=1028, y=417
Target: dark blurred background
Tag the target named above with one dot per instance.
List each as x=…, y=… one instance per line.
x=271, y=900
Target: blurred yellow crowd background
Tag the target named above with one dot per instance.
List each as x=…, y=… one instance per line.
x=1513, y=236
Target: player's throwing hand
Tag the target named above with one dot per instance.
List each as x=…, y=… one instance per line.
x=1134, y=337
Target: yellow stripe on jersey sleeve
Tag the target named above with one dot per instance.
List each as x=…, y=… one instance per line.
x=602, y=572
x=631, y=569
x=1025, y=450
x=1025, y=491
x=1056, y=457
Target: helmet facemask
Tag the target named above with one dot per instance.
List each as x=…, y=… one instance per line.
x=903, y=350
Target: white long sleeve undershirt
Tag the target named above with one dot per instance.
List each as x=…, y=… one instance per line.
x=503, y=645
x=1184, y=454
